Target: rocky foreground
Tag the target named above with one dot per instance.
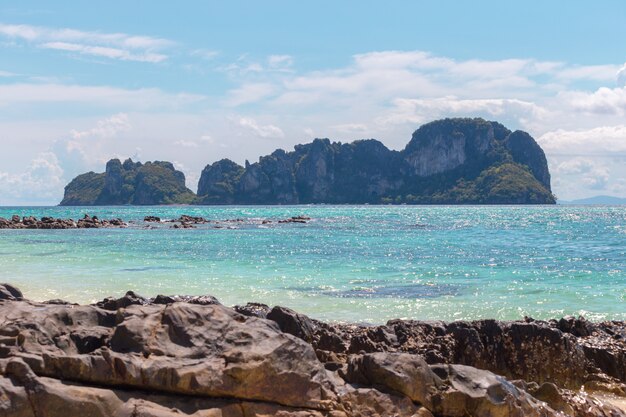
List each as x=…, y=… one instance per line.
x=191, y=356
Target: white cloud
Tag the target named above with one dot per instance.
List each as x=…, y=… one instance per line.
x=7, y=74
x=41, y=182
x=186, y=143
x=621, y=76
x=206, y=54
x=599, y=141
x=264, y=131
x=245, y=66
x=249, y=93
x=280, y=62
x=610, y=101
x=107, y=52
x=417, y=111
x=575, y=166
x=191, y=177
x=109, y=45
x=108, y=127
x=144, y=98
x=191, y=143
x=590, y=72
x=351, y=128
x=592, y=174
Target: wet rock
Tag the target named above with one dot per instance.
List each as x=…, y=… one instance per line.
x=58, y=301
x=87, y=222
x=191, y=299
x=183, y=226
x=154, y=219
x=192, y=219
x=130, y=298
x=9, y=292
x=296, y=219
x=254, y=310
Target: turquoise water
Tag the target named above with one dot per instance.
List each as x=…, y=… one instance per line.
x=350, y=263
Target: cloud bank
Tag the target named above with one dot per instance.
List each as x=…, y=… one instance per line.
x=576, y=112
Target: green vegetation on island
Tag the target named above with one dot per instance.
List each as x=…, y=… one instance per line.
x=449, y=161
x=130, y=182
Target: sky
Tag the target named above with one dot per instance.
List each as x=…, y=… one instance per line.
x=197, y=81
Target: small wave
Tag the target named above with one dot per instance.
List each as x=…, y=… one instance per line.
x=410, y=291
x=147, y=268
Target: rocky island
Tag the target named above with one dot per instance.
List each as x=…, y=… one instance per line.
x=450, y=161
x=129, y=183
x=192, y=356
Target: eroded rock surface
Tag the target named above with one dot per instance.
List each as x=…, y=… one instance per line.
x=191, y=356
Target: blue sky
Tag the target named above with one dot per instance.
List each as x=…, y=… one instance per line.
x=194, y=82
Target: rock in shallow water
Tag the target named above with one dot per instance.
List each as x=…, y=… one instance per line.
x=9, y=292
x=87, y=222
x=179, y=358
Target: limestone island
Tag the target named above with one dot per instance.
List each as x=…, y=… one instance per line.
x=450, y=161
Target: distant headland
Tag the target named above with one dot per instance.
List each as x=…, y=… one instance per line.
x=449, y=161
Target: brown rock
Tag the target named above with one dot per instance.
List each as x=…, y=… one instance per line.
x=293, y=323
x=476, y=392
x=187, y=355
x=9, y=292
x=399, y=372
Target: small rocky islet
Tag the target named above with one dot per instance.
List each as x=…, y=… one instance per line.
x=191, y=356
x=93, y=222
x=450, y=161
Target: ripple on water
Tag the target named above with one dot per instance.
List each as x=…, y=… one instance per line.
x=149, y=268
x=360, y=262
x=408, y=291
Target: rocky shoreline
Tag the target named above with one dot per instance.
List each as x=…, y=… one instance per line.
x=93, y=222
x=192, y=356
x=31, y=222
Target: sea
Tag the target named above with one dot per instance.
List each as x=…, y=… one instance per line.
x=361, y=264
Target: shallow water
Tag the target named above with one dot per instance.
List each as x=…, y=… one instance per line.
x=350, y=263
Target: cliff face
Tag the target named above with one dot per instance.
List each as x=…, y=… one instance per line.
x=451, y=161
x=129, y=183
x=444, y=145
x=526, y=151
